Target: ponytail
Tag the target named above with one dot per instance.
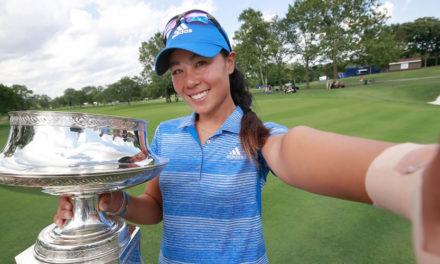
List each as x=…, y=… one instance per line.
x=253, y=133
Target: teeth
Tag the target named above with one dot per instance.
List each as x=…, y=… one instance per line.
x=199, y=95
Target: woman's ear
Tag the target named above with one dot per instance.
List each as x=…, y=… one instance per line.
x=230, y=61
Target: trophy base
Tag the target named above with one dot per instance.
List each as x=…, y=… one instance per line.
x=129, y=254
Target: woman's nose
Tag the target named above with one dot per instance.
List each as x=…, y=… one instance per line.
x=191, y=79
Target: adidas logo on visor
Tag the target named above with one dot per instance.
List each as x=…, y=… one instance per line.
x=181, y=29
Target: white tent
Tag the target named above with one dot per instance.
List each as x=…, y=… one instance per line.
x=436, y=101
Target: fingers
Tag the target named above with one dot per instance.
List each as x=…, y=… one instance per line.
x=64, y=210
x=110, y=202
x=104, y=202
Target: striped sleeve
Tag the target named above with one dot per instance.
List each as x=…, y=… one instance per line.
x=155, y=142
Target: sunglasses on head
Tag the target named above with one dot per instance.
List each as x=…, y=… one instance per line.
x=190, y=17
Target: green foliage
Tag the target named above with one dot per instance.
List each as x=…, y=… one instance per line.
x=148, y=52
x=154, y=86
x=72, y=97
x=23, y=96
x=279, y=74
x=378, y=47
x=301, y=26
x=278, y=51
x=125, y=90
x=340, y=25
x=255, y=44
x=8, y=99
x=421, y=36
x=19, y=97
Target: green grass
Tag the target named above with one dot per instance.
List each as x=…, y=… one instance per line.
x=299, y=227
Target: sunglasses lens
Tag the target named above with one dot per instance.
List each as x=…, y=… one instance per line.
x=189, y=17
x=170, y=26
x=196, y=16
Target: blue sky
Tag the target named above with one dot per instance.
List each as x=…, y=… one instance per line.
x=50, y=46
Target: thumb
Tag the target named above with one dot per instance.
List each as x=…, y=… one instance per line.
x=104, y=202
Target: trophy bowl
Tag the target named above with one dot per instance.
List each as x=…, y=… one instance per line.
x=80, y=155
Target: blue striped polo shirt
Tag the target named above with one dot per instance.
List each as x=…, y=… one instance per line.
x=211, y=194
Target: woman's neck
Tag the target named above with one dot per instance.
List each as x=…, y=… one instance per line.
x=215, y=119
x=207, y=125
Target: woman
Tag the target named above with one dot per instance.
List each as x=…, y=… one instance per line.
x=209, y=195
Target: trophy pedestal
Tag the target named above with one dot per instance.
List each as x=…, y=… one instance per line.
x=130, y=254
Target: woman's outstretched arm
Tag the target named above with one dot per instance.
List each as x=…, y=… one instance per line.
x=401, y=178
x=333, y=164
x=322, y=162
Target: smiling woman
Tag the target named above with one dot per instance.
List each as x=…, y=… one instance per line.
x=209, y=195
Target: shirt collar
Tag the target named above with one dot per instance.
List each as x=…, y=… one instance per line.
x=231, y=124
x=188, y=121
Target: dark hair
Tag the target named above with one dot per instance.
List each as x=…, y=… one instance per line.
x=253, y=133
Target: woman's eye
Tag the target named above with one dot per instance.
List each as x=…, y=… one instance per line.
x=176, y=71
x=200, y=63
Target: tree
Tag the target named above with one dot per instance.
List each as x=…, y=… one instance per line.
x=39, y=101
x=8, y=99
x=436, y=40
x=154, y=85
x=23, y=96
x=70, y=97
x=124, y=90
x=254, y=42
x=378, y=47
x=301, y=26
x=44, y=101
x=90, y=94
x=422, y=36
x=59, y=102
x=277, y=49
x=341, y=26
x=299, y=72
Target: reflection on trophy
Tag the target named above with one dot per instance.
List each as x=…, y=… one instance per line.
x=82, y=155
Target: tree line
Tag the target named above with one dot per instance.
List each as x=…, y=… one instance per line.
x=314, y=38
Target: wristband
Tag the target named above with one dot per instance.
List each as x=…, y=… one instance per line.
x=400, y=193
x=126, y=197
x=388, y=188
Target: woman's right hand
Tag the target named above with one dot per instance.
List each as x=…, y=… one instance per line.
x=65, y=210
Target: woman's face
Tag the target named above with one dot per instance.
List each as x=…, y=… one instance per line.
x=203, y=82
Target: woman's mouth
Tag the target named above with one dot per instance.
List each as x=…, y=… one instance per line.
x=200, y=95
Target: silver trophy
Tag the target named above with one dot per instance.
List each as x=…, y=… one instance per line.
x=81, y=155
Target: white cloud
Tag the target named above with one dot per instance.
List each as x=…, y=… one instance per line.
x=389, y=9
x=269, y=16
x=50, y=46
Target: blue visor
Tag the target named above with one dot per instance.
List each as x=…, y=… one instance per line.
x=203, y=39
